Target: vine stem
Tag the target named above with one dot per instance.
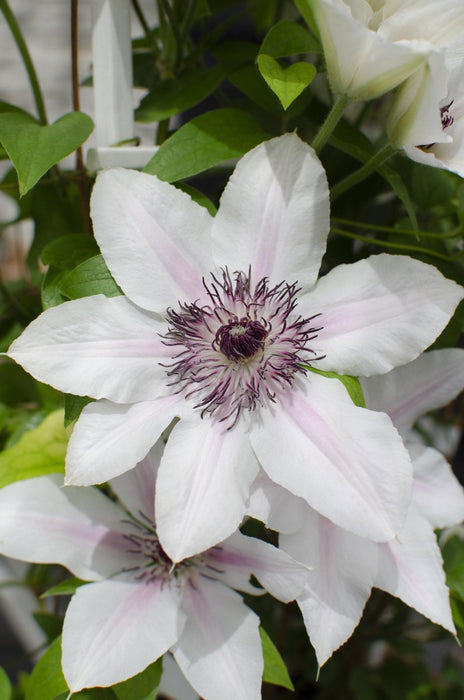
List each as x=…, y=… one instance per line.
x=359, y=175
x=81, y=178
x=330, y=123
x=27, y=60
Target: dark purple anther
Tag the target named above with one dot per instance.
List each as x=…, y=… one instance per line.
x=446, y=118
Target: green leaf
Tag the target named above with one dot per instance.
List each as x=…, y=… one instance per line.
x=50, y=623
x=174, y=95
x=288, y=38
x=68, y=251
x=38, y=452
x=205, y=141
x=47, y=679
x=144, y=686
x=73, y=406
x=67, y=587
x=351, y=384
x=287, y=83
x=90, y=277
x=5, y=686
x=275, y=670
x=34, y=149
x=431, y=186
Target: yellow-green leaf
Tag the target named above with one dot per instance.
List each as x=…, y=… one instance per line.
x=287, y=83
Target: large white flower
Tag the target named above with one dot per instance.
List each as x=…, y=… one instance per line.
x=140, y=603
x=219, y=317
x=371, y=46
x=345, y=567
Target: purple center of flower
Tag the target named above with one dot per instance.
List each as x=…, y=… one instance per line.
x=150, y=560
x=446, y=117
x=241, y=348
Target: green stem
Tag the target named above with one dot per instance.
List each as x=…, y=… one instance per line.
x=25, y=55
x=141, y=17
x=162, y=133
x=167, y=9
x=397, y=246
x=359, y=175
x=402, y=231
x=330, y=123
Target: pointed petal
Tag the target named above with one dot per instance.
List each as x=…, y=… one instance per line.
x=379, y=313
x=339, y=583
x=96, y=346
x=239, y=557
x=114, y=629
x=109, y=439
x=274, y=213
x=136, y=488
x=219, y=651
x=406, y=393
x=411, y=568
x=42, y=522
x=276, y=507
x=203, y=485
x=347, y=462
x=154, y=238
x=436, y=492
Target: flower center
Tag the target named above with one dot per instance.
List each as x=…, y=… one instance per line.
x=446, y=117
x=239, y=340
x=240, y=349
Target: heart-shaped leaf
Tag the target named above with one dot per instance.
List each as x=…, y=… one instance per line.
x=287, y=83
x=34, y=149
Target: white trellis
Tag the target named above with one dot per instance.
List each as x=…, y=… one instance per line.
x=112, y=84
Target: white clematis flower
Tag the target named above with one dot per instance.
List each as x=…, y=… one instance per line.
x=140, y=604
x=427, y=119
x=372, y=46
x=345, y=567
x=219, y=317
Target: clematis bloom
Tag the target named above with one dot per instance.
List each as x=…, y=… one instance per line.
x=219, y=319
x=371, y=47
x=427, y=119
x=345, y=567
x=140, y=604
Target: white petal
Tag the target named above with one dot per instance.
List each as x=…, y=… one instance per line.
x=239, y=557
x=411, y=568
x=379, y=313
x=339, y=583
x=406, y=393
x=154, y=238
x=203, y=485
x=42, y=522
x=109, y=439
x=276, y=507
x=114, y=629
x=274, y=213
x=361, y=63
x=347, y=462
x=96, y=346
x=136, y=488
x=219, y=651
x=436, y=492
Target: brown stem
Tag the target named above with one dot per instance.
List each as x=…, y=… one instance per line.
x=81, y=177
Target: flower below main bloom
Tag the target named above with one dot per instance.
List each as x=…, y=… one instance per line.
x=219, y=320
x=139, y=603
x=344, y=567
